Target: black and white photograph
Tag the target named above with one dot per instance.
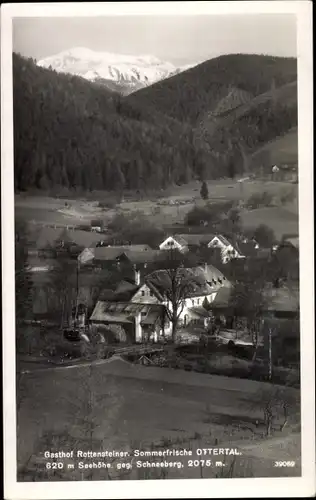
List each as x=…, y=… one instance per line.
x=157, y=190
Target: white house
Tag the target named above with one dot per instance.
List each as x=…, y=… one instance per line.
x=174, y=243
x=183, y=242
x=228, y=251
x=204, y=282
x=143, y=308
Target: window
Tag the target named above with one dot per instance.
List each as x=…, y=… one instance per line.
x=143, y=293
x=198, y=301
x=143, y=314
x=192, y=302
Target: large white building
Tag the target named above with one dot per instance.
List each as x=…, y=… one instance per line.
x=146, y=308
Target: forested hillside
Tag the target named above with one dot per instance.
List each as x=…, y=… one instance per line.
x=236, y=135
x=235, y=105
x=189, y=95
x=202, y=123
x=71, y=133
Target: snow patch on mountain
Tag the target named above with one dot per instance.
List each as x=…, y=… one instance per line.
x=132, y=71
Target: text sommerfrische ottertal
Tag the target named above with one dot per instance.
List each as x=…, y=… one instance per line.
x=185, y=452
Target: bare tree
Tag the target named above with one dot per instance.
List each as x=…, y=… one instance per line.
x=174, y=284
x=277, y=403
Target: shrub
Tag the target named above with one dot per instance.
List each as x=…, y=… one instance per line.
x=107, y=204
x=288, y=196
x=264, y=235
x=204, y=191
x=212, y=213
x=258, y=200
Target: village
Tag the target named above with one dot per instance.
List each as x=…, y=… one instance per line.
x=94, y=292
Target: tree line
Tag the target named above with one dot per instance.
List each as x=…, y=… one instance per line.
x=73, y=134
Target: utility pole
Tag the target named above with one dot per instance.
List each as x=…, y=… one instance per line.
x=77, y=291
x=270, y=354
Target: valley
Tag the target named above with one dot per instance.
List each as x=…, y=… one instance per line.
x=176, y=192
x=164, y=208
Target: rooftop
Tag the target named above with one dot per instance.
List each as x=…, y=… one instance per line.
x=195, y=239
x=132, y=252
x=125, y=312
x=49, y=237
x=197, y=281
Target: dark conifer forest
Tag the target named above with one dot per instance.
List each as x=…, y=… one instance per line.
x=71, y=133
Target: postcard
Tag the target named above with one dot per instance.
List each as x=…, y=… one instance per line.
x=157, y=235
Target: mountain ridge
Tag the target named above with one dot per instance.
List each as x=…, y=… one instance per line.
x=73, y=133
x=187, y=95
x=126, y=73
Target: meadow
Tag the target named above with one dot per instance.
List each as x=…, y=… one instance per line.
x=164, y=208
x=115, y=405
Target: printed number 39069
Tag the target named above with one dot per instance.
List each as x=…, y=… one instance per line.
x=284, y=464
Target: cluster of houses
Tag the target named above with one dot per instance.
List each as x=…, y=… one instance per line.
x=138, y=306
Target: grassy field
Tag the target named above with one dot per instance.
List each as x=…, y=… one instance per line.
x=283, y=150
x=119, y=406
x=279, y=219
x=170, y=208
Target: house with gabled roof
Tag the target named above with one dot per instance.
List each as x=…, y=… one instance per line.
x=185, y=242
x=175, y=242
x=102, y=255
x=228, y=249
x=138, y=321
x=205, y=280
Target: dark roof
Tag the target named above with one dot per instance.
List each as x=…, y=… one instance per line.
x=130, y=251
x=107, y=253
x=49, y=237
x=201, y=280
x=84, y=239
x=290, y=241
x=222, y=299
x=124, y=312
x=123, y=292
x=199, y=312
x=144, y=257
x=195, y=239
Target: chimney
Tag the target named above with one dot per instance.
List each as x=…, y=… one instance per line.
x=136, y=276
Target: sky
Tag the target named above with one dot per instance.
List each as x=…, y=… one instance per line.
x=178, y=39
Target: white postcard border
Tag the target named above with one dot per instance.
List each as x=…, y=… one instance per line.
x=179, y=488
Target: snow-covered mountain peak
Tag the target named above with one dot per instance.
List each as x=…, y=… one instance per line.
x=130, y=72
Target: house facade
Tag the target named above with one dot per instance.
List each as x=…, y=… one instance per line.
x=139, y=322
x=185, y=242
x=228, y=250
x=174, y=243
x=133, y=299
